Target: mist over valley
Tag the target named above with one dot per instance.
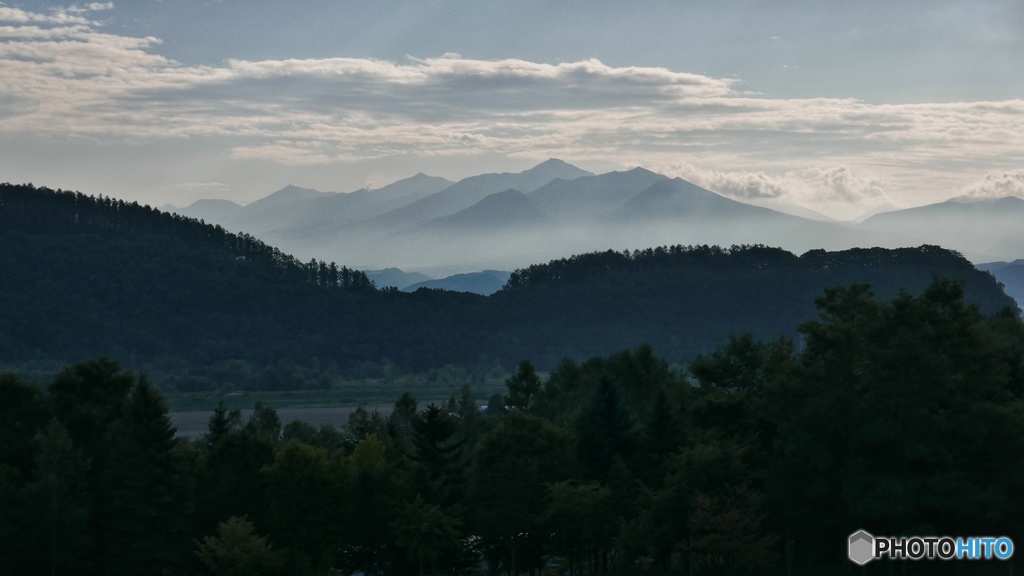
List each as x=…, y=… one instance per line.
x=511, y=220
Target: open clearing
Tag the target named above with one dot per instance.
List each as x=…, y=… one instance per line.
x=193, y=424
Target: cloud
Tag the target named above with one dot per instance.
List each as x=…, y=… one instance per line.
x=836, y=191
x=62, y=16
x=739, y=185
x=840, y=185
x=64, y=78
x=100, y=6
x=20, y=16
x=998, y=185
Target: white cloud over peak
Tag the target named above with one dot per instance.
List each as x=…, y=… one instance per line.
x=834, y=191
x=998, y=185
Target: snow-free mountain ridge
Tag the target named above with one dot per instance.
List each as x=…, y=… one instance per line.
x=509, y=220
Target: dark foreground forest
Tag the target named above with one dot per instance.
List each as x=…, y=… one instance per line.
x=900, y=416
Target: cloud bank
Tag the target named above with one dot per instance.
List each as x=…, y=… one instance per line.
x=998, y=185
x=63, y=78
x=835, y=191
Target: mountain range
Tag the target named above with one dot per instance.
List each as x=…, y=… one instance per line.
x=505, y=221
x=486, y=282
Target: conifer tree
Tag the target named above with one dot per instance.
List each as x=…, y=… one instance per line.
x=522, y=387
x=439, y=455
x=400, y=423
x=86, y=399
x=307, y=493
x=513, y=464
x=143, y=506
x=56, y=505
x=604, y=431
x=219, y=425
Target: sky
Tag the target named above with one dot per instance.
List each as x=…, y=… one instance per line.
x=844, y=107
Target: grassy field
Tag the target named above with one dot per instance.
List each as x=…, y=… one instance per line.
x=190, y=412
x=194, y=423
x=351, y=393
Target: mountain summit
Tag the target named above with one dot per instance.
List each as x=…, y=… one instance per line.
x=473, y=189
x=550, y=169
x=287, y=195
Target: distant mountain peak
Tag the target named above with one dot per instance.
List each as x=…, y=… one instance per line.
x=558, y=169
x=294, y=188
x=214, y=211
x=422, y=176
x=554, y=162
x=285, y=196
x=642, y=170
x=208, y=202
x=297, y=192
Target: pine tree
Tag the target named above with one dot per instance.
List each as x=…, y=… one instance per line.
x=232, y=484
x=400, y=423
x=56, y=504
x=86, y=399
x=439, y=455
x=220, y=424
x=661, y=437
x=522, y=387
x=513, y=464
x=307, y=492
x=22, y=414
x=332, y=275
x=604, y=431
x=143, y=506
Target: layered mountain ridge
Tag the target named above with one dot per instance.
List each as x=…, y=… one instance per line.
x=509, y=220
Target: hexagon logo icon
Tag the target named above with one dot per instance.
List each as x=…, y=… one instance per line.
x=862, y=547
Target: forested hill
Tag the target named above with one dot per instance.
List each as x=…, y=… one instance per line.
x=41, y=212
x=86, y=276
x=687, y=300
x=196, y=307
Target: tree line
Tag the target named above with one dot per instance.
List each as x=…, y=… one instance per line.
x=26, y=209
x=899, y=416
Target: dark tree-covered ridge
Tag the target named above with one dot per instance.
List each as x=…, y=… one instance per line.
x=688, y=299
x=87, y=276
x=31, y=210
x=695, y=259
x=198, y=307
